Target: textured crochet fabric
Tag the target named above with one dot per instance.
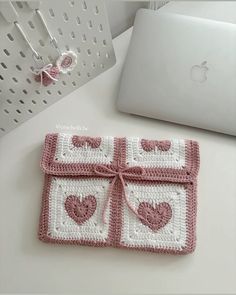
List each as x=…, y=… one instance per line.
x=121, y=192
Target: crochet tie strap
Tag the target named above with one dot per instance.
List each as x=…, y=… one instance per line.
x=120, y=173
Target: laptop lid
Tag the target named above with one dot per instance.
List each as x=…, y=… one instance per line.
x=181, y=69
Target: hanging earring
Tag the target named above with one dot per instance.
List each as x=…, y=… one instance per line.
x=66, y=60
x=45, y=74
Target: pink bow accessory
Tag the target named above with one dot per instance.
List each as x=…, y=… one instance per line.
x=46, y=75
x=121, y=173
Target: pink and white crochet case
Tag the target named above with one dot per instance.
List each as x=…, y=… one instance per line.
x=121, y=192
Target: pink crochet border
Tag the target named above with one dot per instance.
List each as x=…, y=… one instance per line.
x=115, y=223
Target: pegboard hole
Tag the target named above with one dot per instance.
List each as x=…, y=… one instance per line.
x=21, y=101
x=84, y=63
x=90, y=24
x=30, y=111
x=72, y=3
x=60, y=31
x=18, y=111
x=28, y=80
x=9, y=101
x=41, y=42
x=1, y=77
x=18, y=68
x=78, y=21
x=10, y=37
x=96, y=10
x=12, y=91
x=100, y=28
x=84, y=5
x=79, y=74
x=2, y=129
x=89, y=52
x=59, y=92
x=107, y=55
x=49, y=92
x=84, y=38
x=73, y=83
x=51, y=12
x=45, y=102
x=104, y=42
x=3, y=65
x=6, y=111
x=69, y=73
x=65, y=16
x=14, y=79
x=67, y=47
x=22, y=54
x=31, y=24
x=98, y=54
x=72, y=35
x=78, y=49
x=89, y=75
x=63, y=82
x=16, y=121
x=37, y=91
x=25, y=91
x=102, y=65
x=19, y=4
x=33, y=101
x=93, y=64
x=6, y=52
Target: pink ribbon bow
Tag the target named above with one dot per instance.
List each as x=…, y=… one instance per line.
x=44, y=70
x=121, y=173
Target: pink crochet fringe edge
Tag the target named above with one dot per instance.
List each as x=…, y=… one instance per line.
x=188, y=178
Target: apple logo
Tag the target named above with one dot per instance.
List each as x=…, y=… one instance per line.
x=199, y=72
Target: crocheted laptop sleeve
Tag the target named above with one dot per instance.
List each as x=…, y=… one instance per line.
x=121, y=192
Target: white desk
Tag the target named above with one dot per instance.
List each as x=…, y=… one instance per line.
x=28, y=265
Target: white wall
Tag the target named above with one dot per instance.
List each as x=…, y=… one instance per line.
x=121, y=14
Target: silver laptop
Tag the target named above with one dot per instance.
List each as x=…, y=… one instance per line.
x=181, y=69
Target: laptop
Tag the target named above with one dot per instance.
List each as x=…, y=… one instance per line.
x=181, y=69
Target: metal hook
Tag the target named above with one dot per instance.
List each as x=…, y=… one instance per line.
x=25, y=38
x=53, y=40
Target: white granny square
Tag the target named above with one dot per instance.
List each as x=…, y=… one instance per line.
x=173, y=158
x=61, y=226
x=66, y=152
x=173, y=234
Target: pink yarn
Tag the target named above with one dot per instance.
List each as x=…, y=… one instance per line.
x=150, y=145
x=79, y=141
x=45, y=76
x=131, y=173
x=155, y=217
x=80, y=210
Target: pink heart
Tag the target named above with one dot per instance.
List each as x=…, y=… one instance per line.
x=149, y=145
x=155, y=218
x=80, y=210
x=79, y=141
x=46, y=80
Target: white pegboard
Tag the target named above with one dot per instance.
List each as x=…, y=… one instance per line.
x=80, y=26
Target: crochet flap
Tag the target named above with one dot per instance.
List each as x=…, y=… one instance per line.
x=173, y=160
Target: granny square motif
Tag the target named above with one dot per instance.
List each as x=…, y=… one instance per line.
x=121, y=192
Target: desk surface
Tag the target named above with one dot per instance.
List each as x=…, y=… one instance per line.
x=28, y=265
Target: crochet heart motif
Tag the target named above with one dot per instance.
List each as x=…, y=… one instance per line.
x=79, y=141
x=80, y=210
x=46, y=80
x=149, y=145
x=155, y=217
